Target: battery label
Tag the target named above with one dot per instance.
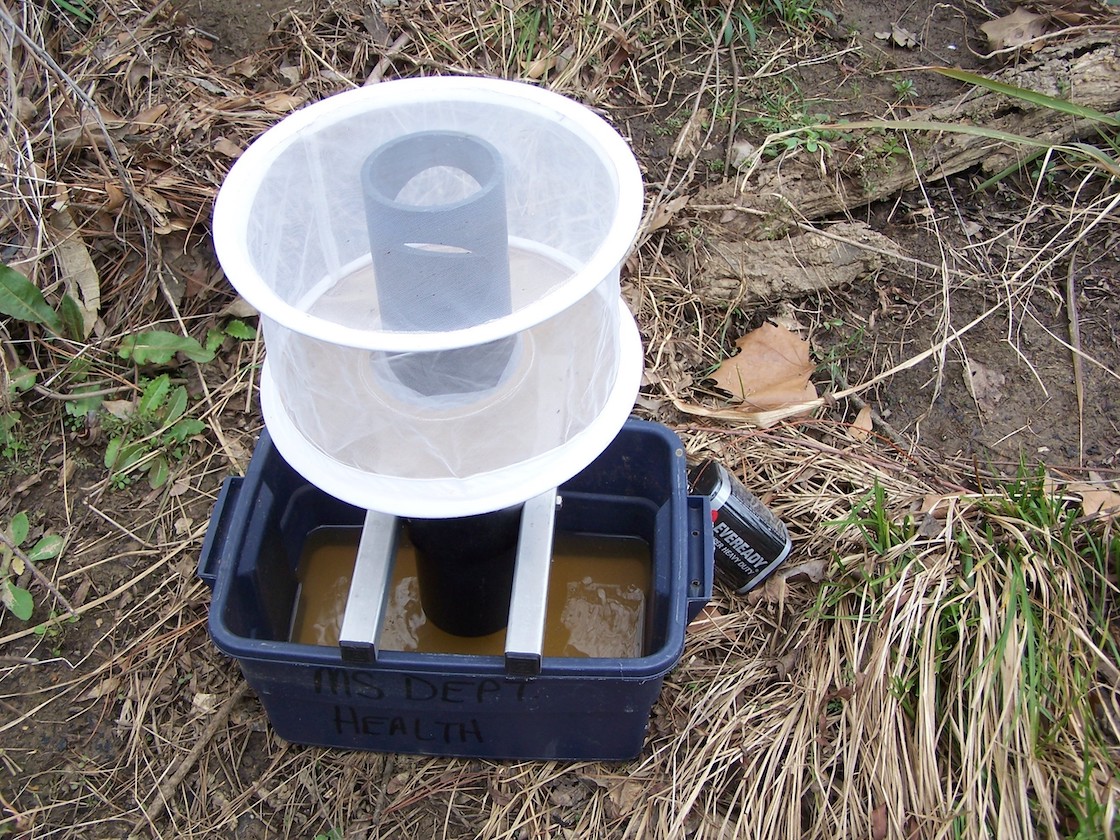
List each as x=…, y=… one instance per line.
x=750, y=542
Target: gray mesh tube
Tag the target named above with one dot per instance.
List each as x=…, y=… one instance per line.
x=440, y=266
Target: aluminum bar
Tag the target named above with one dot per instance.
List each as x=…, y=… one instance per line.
x=529, y=599
x=360, y=634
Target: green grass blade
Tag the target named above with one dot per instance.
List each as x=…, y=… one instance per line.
x=1032, y=96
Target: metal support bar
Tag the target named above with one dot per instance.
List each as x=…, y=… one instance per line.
x=529, y=599
x=360, y=634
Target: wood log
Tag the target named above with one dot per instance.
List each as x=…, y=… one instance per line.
x=858, y=172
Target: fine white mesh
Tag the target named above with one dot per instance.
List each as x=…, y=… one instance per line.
x=436, y=265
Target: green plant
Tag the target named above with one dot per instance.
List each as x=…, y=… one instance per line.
x=11, y=444
x=843, y=342
x=13, y=563
x=151, y=435
x=903, y=88
x=797, y=14
x=1001, y=623
x=1103, y=157
x=21, y=299
x=81, y=10
x=333, y=834
x=51, y=630
x=532, y=23
x=791, y=127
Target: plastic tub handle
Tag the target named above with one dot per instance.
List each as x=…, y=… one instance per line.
x=213, y=546
x=701, y=553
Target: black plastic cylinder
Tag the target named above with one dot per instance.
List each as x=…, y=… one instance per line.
x=464, y=567
x=443, y=266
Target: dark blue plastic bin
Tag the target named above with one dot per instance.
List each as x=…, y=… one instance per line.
x=444, y=704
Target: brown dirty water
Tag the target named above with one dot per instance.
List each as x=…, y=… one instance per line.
x=597, y=593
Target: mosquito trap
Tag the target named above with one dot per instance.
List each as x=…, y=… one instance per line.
x=451, y=539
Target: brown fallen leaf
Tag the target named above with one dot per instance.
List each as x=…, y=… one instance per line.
x=879, y=824
x=83, y=283
x=538, y=67
x=1097, y=497
x=625, y=796
x=281, y=103
x=690, y=136
x=937, y=506
x=899, y=36
x=777, y=585
x=860, y=429
x=985, y=385
x=770, y=371
x=227, y=147
x=1014, y=30
x=664, y=212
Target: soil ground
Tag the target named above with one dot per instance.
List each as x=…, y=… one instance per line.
x=118, y=700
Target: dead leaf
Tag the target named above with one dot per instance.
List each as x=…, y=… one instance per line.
x=860, y=428
x=899, y=36
x=83, y=283
x=879, y=824
x=227, y=147
x=777, y=585
x=121, y=409
x=770, y=371
x=107, y=686
x=115, y=196
x=538, y=67
x=1097, y=498
x=1014, y=30
x=688, y=140
x=985, y=385
x=664, y=212
x=281, y=103
x=626, y=796
x=149, y=117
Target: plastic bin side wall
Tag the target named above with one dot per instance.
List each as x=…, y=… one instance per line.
x=424, y=703
x=455, y=714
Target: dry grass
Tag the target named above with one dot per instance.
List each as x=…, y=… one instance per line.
x=939, y=659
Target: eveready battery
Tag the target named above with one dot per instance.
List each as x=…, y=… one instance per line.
x=749, y=540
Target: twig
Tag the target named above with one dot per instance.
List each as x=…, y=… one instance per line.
x=101, y=392
x=1075, y=341
x=387, y=58
x=39, y=576
x=167, y=789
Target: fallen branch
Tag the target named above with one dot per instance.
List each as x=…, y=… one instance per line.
x=955, y=136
